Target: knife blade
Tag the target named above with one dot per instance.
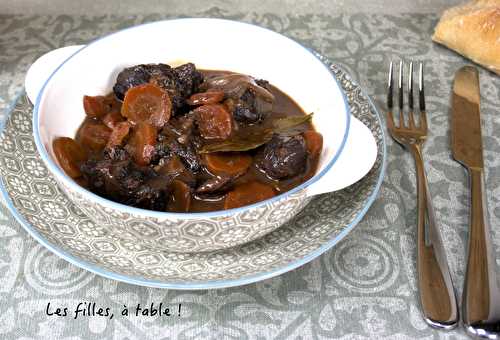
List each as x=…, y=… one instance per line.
x=466, y=143
x=481, y=296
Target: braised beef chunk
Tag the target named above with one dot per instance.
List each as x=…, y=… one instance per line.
x=152, y=194
x=116, y=153
x=248, y=99
x=117, y=177
x=176, y=139
x=189, y=79
x=186, y=152
x=216, y=184
x=179, y=82
x=249, y=108
x=188, y=155
x=112, y=179
x=179, y=128
x=130, y=77
x=162, y=150
x=284, y=157
x=170, y=83
x=140, y=74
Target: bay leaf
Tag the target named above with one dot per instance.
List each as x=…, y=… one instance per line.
x=283, y=124
x=257, y=135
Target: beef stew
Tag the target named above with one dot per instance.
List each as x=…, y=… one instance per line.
x=187, y=140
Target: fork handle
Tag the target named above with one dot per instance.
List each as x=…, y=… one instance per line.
x=437, y=297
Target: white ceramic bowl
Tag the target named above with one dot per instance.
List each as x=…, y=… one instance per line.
x=210, y=44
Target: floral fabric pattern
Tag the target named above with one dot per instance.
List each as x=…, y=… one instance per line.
x=363, y=288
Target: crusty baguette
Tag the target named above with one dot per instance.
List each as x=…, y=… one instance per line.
x=473, y=30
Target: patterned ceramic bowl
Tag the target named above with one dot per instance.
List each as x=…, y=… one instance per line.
x=252, y=50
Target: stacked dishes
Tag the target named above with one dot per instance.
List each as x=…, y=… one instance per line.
x=196, y=250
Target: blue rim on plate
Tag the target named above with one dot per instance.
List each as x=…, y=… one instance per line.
x=156, y=214
x=205, y=285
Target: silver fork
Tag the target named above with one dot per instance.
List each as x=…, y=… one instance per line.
x=437, y=297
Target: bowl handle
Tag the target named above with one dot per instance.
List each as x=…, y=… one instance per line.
x=354, y=162
x=43, y=67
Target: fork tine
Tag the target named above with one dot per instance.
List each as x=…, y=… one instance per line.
x=421, y=97
x=411, y=120
x=421, y=92
x=400, y=93
x=390, y=87
x=410, y=86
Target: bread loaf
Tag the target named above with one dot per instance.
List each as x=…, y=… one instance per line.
x=473, y=30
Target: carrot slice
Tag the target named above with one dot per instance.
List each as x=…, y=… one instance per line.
x=142, y=141
x=118, y=134
x=214, y=121
x=114, y=105
x=180, y=200
x=70, y=155
x=95, y=106
x=231, y=163
x=248, y=193
x=93, y=134
x=203, y=98
x=314, y=142
x=112, y=119
x=147, y=102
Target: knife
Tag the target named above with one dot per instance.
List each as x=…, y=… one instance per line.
x=481, y=296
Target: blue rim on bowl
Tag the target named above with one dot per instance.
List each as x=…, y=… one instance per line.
x=54, y=168
x=204, y=285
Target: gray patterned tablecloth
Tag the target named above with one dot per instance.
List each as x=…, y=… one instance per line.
x=364, y=288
